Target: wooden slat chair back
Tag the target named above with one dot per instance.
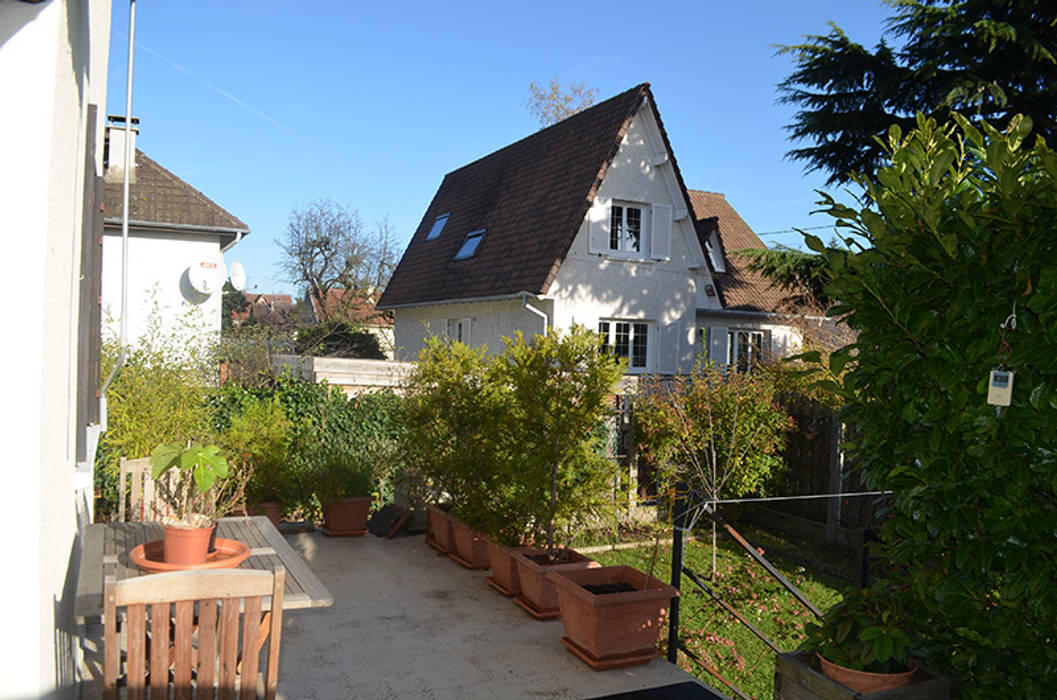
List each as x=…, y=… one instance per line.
x=182, y=631
x=143, y=502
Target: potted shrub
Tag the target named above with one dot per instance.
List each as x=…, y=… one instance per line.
x=861, y=643
x=343, y=486
x=193, y=489
x=559, y=478
x=257, y=439
x=612, y=614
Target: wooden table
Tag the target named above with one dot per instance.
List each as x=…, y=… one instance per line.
x=105, y=549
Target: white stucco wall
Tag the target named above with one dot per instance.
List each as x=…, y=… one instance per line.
x=591, y=286
x=785, y=339
x=157, y=281
x=490, y=322
x=53, y=59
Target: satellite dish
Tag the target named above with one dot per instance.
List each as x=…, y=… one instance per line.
x=237, y=276
x=207, y=274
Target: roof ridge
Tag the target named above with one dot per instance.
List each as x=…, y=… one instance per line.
x=641, y=87
x=168, y=173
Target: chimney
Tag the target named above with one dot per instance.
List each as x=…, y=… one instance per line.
x=114, y=149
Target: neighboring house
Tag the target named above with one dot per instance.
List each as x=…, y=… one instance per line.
x=586, y=222
x=267, y=310
x=359, y=310
x=172, y=227
x=53, y=71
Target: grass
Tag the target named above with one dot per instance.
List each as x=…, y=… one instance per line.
x=714, y=634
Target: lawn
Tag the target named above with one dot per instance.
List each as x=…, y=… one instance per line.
x=714, y=634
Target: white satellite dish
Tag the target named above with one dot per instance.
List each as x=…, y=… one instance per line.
x=237, y=276
x=207, y=274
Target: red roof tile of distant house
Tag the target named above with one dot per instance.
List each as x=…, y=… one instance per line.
x=352, y=307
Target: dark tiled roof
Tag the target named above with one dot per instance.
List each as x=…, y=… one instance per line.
x=531, y=198
x=739, y=288
x=159, y=197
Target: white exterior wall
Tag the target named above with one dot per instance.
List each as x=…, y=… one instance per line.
x=665, y=293
x=157, y=282
x=785, y=339
x=490, y=322
x=53, y=60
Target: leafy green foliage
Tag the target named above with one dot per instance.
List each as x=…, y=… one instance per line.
x=864, y=632
x=199, y=468
x=557, y=387
x=338, y=339
x=959, y=235
x=994, y=60
x=799, y=273
x=721, y=433
x=257, y=439
x=232, y=301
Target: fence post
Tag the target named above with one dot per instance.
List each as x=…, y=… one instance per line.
x=679, y=506
x=836, y=464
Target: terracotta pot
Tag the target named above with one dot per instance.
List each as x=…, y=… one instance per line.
x=186, y=546
x=539, y=593
x=864, y=681
x=619, y=628
x=272, y=509
x=471, y=548
x=440, y=522
x=504, y=571
x=347, y=516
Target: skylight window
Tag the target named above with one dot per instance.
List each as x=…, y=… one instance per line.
x=469, y=246
x=438, y=226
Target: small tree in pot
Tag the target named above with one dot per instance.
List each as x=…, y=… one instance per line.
x=199, y=488
x=257, y=440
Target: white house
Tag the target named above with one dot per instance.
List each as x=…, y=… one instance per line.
x=587, y=222
x=53, y=70
x=172, y=229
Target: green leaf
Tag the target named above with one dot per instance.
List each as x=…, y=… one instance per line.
x=814, y=243
x=162, y=457
x=882, y=648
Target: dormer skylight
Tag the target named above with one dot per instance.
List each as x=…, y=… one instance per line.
x=469, y=246
x=438, y=226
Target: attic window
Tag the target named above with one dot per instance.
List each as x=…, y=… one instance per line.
x=438, y=226
x=469, y=246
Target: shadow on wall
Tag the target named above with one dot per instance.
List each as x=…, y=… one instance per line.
x=17, y=15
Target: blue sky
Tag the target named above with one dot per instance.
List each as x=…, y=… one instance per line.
x=264, y=106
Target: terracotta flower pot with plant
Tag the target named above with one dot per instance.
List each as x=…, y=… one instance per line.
x=343, y=486
x=539, y=596
x=193, y=492
x=612, y=614
x=861, y=643
x=440, y=531
x=471, y=546
x=504, y=578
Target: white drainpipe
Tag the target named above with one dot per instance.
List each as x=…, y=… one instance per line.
x=124, y=218
x=542, y=314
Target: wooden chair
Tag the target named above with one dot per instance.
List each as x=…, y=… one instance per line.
x=143, y=501
x=170, y=643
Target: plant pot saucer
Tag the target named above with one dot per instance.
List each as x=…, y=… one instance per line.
x=635, y=658
x=490, y=580
x=467, y=564
x=536, y=612
x=342, y=533
x=227, y=555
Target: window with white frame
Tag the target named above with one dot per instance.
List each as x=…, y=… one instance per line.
x=459, y=330
x=629, y=339
x=745, y=349
x=625, y=227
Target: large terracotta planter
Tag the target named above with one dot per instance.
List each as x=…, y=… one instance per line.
x=440, y=524
x=611, y=630
x=504, y=576
x=538, y=595
x=471, y=548
x=797, y=675
x=864, y=681
x=272, y=509
x=186, y=546
x=347, y=517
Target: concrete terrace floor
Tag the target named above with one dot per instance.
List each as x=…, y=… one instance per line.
x=408, y=622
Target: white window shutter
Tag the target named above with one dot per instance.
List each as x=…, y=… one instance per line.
x=661, y=232
x=598, y=226
x=667, y=348
x=718, y=345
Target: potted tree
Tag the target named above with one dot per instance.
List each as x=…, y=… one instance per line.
x=257, y=439
x=195, y=491
x=558, y=386
x=343, y=483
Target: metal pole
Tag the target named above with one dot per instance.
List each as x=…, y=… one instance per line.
x=679, y=504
